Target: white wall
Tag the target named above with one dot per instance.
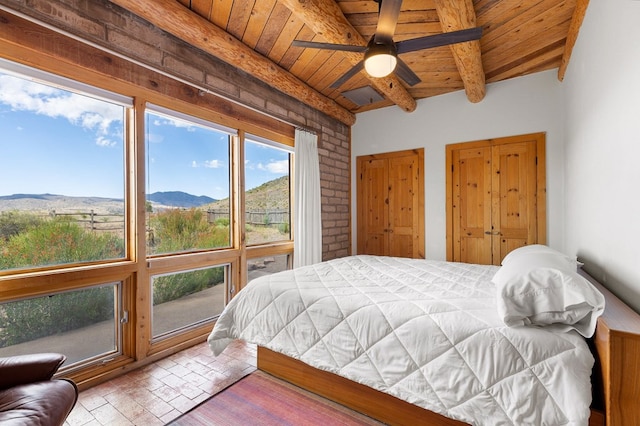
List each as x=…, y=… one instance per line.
x=602, y=92
x=522, y=105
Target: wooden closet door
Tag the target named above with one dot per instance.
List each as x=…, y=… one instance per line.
x=472, y=205
x=405, y=232
x=514, y=197
x=373, y=212
x=496, y=195
x=390, y=200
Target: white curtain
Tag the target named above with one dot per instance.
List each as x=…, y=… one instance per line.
x=307, y=223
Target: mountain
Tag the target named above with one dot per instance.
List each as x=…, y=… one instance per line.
x=46, y=203
x=28, y=196
x=179, y=199
x=271, y=195
x=55, y=197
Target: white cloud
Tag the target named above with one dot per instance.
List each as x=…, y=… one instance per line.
x=209, y=164
x=278, y=167
x=102, y=141
x=155, y=137
x=89, y=113
x=174, y=122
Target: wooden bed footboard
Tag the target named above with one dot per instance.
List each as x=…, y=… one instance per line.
x=375, y=404
x=617, y=352
x=617, y=383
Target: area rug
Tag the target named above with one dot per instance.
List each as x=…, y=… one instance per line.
x=261, y=399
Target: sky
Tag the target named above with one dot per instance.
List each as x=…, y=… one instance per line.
x=58, y=142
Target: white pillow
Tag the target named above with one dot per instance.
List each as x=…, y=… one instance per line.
x=542, y=288
x=529, y=250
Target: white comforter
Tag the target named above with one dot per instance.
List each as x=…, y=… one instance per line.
x=423, y=331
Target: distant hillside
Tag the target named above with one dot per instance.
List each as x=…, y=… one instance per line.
x=179, y=199
x=270, y=195
x=52, y=197
x=32, y=196
x=45, y=203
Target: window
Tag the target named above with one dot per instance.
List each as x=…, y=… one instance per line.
x=81, y=247
x=64, y=322
x=267, y=196
x=183, y=299
x=188, y=172
x=267, y=265
x=62, y=173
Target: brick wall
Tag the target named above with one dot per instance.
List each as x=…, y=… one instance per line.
x=105, y=24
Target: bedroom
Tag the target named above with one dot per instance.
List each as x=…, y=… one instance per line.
x=588, y=118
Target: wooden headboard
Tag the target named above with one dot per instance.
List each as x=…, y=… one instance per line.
x=617, y=349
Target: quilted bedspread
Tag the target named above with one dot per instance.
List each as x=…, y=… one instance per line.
x=423, y=331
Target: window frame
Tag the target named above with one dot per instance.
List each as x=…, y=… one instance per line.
x=134, y=271
x=45, y=78
x=159, y=336
x=197, y=121
x=291, y=158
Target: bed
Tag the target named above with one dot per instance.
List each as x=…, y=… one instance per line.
x=410, y=341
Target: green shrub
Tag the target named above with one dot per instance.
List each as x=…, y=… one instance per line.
x=14, y=222
x=171, y=287
x=222, y=222
x=58, y=241
x=30, y=319
x=177, y=230
x=283, y=228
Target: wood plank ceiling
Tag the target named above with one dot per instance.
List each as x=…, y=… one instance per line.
x=519, y=37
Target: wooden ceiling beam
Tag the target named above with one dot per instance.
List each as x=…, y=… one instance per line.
x=327, y=20
x=459, y=15
x=572, y=35
x=173, y=17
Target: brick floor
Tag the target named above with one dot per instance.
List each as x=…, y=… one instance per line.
x=160, y=392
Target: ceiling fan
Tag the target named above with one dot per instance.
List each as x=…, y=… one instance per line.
x=381, y=53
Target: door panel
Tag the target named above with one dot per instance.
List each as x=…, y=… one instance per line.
x=472, y=205
x=403, y=206
x=373, y=213
x=391, y=204
x=514, y=180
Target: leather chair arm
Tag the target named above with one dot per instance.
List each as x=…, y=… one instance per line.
x=45, y=403
x=23, y=369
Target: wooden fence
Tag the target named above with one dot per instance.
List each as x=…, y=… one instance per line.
x=256, y=217
x=94, y=221
x=115, y=222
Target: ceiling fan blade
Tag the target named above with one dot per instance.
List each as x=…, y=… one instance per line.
x=387, y=20
x=404, y=72
x=353, y=71
x=437, y=40
x=329, y=46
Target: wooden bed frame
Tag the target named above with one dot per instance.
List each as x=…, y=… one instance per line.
x=616, y=377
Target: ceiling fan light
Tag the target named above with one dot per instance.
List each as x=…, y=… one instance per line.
x=380, y=65
x=380, y=60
